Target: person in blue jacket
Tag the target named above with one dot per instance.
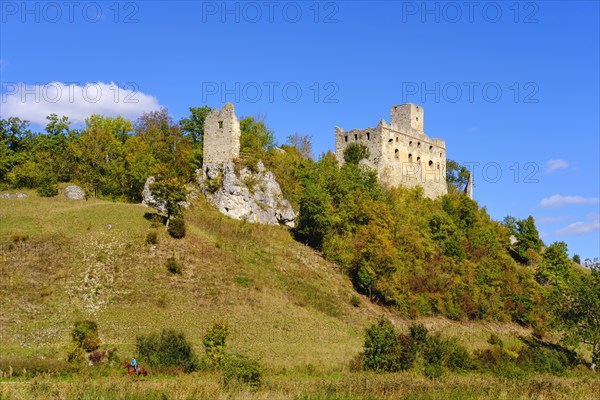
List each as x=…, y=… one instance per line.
x=134, y=364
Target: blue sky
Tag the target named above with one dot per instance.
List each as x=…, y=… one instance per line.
x=512, y=87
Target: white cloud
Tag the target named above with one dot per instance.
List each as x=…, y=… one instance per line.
x=35, y=102
x=549, y=220
x=554, y=165
x=581, y=227
x=559, y=200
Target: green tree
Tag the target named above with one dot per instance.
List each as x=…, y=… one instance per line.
x=382, y=349
x=555, y=267
x=256, y=138
x=457, y=176
x=170, y=192
x=85, y=335
x=193, y=129
x=355, y=152
x=579, y=311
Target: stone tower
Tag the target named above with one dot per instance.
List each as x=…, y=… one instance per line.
x=401, y=152
x=221, y=136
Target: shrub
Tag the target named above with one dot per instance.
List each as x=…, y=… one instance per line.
x=85, y=335
x=458, y=358
x=167, y=349
x=173, y=266
x=76, y=356
x=433, y=371
x=382, y=350
x=177, y=228
x=47, y=189
x=152, y=237
x=241, y=369
x=418, y=335
x=214, y=343
x=355, y=301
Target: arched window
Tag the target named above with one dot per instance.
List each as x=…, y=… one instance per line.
x=430, y=163
x=418, y=144
x=368, y=136
x=410, y=158
x=396, y=153
x=410, y=143
x=430, y=148
x=346, y=139
x=418, y=159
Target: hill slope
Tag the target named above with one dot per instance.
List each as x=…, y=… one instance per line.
x=62, y=260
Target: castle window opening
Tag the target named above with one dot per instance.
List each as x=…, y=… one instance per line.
x=430, y=163
x=368, y=135
x=438, y=166
x=390, y=141
x=346, y=138
x=410, y=143
x=396, y=153
x=220, y=124
x=430, y=148
x=410, y=158
x=417, y=119
x=419, y=144
x=418, y=159
x=355, y=137
x=396, y=139
x=440, y=154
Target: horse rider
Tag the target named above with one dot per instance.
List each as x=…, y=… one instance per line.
x=134, y=364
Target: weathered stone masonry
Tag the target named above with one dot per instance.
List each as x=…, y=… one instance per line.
x=401, y=152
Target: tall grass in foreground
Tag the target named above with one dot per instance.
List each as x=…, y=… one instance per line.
x=301, y=385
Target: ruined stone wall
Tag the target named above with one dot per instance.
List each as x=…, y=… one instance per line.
x=221, y=135
x=401, y=153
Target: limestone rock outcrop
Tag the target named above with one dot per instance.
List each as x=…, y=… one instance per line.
x=74, y=192
x=254, y=196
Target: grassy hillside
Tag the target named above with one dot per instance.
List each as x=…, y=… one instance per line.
x=62, y=260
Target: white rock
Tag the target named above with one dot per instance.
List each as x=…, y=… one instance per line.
x=262, y=203
x=74, y=192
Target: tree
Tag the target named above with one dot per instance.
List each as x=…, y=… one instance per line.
x=256, y=137
x=301, y=142
x=171, y=193
x=579, y=312
x=193, y=129
x=457, y=176
x=355, y=152
x=382, y=349
x=193, y=126
x=555, y=266
x=527, y=236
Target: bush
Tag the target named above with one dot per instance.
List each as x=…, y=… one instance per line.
x=152, y=237
x=85, y=335
x=47, y=189
x=355, y=301
x=173, y=266
x=76, y=356
x=167, y=349
x=382, y=349
x=241, y=369
x=177, y=228
x=214, y=343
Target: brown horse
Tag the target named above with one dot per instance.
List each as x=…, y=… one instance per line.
x=131, y=370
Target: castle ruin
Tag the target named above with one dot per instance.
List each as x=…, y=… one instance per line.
x=222, y=135
x=401, y=152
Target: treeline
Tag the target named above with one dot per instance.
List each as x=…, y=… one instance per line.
x=110, y=157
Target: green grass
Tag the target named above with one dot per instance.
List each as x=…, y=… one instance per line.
x=286, y=306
